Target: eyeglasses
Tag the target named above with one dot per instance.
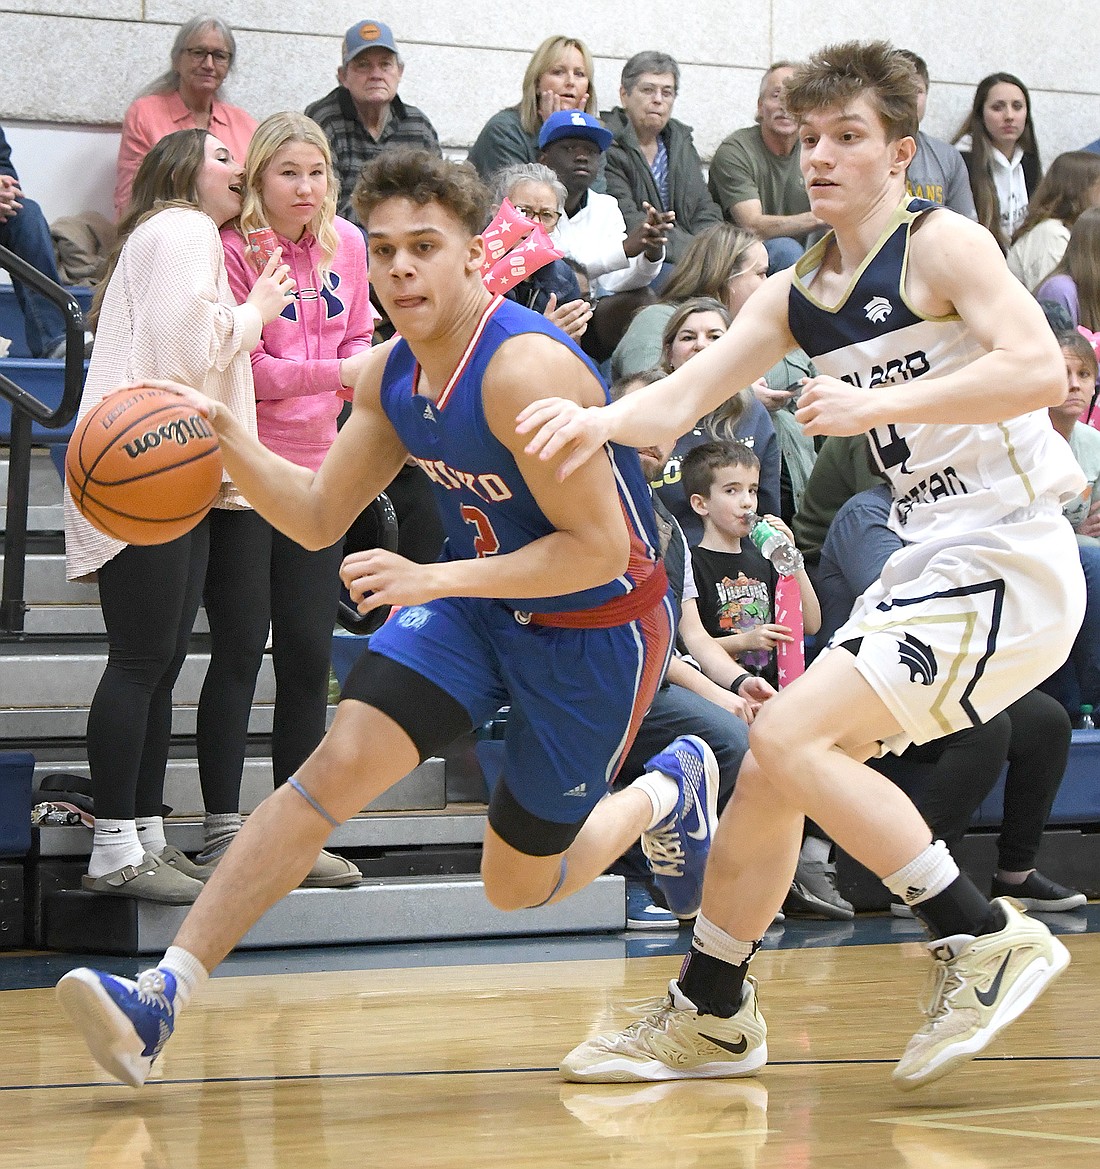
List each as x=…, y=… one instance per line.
x=546, y=218
x=221, y=57
x=664, y=92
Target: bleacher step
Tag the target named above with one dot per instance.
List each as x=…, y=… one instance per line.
x=423, y=789
x=401, y=910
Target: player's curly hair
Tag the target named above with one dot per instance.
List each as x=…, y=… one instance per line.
x=838, y=73
x=423, y=178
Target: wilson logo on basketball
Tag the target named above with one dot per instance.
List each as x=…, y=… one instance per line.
x=181, y=431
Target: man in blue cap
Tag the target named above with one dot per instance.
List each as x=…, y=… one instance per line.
x=619, y=266
x=363, y=115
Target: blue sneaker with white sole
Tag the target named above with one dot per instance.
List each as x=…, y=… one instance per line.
x=677, y=848
x=124, y=1023
x=643, y=913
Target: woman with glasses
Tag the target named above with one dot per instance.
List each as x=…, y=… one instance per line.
x=186, y=97
x=535, y=192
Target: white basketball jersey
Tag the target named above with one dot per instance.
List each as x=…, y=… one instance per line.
x=946, y=479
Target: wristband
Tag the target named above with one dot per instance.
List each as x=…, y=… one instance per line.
x=737, y=683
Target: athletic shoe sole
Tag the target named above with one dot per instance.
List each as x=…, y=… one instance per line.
x=1024, y=991
x=615, y=1071
x=1037, y=905
x=107, y=1031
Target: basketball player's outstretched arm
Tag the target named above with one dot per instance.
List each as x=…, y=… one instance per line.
x=313, y=508
x=590, y=543
x=664, y=411
x=955, y=267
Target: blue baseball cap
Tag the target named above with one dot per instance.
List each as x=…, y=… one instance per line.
x=574, y=124
x=367, y=34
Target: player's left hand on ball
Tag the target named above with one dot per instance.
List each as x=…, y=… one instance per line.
x=376, y=577
x=198, y=402
x=830, y=406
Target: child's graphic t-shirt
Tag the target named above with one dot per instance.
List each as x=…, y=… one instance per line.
x=737, y=593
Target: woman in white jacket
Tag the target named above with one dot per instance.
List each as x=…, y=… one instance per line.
x=164, y=311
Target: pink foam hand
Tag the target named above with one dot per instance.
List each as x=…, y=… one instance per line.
x=535, y=252
x=790, y=655
x=507, y=229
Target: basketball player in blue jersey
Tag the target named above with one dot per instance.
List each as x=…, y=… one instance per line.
x=549, y=599
x=928, y=345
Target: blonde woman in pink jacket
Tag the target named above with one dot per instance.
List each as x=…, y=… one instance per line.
x=257, y=578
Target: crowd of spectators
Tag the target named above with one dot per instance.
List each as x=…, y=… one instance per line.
x=655, y=258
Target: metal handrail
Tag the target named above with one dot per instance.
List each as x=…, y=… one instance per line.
x=26, y=409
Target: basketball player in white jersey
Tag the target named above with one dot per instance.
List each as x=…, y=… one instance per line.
x=927, y=344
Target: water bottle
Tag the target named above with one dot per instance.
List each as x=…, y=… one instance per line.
x=1087, y=723
x=785, y=557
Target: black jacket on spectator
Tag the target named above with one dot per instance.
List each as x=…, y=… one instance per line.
x=630, y=180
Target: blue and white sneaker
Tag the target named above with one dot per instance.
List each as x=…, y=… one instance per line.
x=643, y=913
x=125, y=1024
x=677, y=848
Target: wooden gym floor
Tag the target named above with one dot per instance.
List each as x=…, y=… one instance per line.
x=445, y=1055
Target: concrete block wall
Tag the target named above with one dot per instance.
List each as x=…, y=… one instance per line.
x=72, y=66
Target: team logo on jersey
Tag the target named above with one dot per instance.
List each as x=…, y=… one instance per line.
x=919, y=659
x=877, y=309
x=414, y=617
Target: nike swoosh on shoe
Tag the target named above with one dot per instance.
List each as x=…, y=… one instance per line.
x=988, y=997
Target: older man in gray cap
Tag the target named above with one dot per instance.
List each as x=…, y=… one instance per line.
x=363, y=115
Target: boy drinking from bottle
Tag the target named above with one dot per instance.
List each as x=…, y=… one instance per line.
x=736, y=582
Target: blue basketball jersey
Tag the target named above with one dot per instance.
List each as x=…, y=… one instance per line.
x=484, y=502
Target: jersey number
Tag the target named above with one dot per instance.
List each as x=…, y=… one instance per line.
x=892, y=453
x=485, y=542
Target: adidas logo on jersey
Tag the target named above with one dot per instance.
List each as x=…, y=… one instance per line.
x=877, y=309
x=429, y=413
x=580, y=790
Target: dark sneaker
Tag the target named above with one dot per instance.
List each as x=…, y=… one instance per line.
x=814, y=893
x=125, y=1024
x=1040, y=894
x=677, y=848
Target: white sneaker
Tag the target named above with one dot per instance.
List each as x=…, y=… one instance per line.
x=980, y=985
x=675, y=1043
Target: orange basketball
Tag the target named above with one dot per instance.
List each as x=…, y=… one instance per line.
x=143, y=466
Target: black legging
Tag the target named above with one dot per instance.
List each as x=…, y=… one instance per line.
x=149, y=597
x=1033, y=737
x=258, y=577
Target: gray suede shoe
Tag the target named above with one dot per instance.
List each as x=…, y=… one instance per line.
x=152, y=880
x=331, y=872
x=182, y=863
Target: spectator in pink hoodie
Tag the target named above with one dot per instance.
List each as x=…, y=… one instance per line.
x=306, y=360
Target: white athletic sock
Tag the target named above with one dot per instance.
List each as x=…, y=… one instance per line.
x=115, y=845
x=663, y=792
x=923, y=877
x=150, y=831
x=191, y=975
x=711, y=939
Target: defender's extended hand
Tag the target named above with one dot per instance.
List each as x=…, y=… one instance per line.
x=562, y=425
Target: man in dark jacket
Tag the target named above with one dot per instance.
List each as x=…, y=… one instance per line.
x=363, y=115
x=652, y=159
